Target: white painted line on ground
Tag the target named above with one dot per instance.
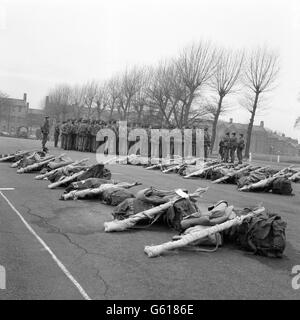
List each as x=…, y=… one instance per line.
x=42, y=242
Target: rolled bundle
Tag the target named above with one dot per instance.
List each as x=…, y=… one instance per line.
x=66, y=180
x=36, y=166
x=92, y=192
x=12, y=157
x=295, y=177
x=203, y=170
x=65, y=167
x=232, y=174
x=121, y=225
x=260, y=185
x=30, y=157
x=154, y=251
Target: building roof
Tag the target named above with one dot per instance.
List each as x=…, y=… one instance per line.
x=14, y=102
x=36, y=111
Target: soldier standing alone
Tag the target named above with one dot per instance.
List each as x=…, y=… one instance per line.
x=45, y=132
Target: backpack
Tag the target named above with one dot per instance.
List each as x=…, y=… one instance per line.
x=282, y=185
x=115, y=196
x=263, y=234
x=181, y=208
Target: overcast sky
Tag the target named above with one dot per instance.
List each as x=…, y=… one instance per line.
x=48, y=42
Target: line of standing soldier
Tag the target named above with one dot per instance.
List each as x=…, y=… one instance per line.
x=229, y=145
x=78, y=135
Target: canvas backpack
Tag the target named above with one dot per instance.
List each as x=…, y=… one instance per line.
x=263, y=234
x=282, y=185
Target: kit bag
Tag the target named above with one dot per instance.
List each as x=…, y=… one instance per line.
x=282, y=185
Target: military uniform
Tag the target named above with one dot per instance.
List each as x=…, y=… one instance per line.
x=76, y=132
x=87, y=138
x=240, y=148
x=69, y=135
x=232, y=147
x=73, y=135
x=95, y=127
x=63, y=131
x=45, y=131
x=56, y=134
x=206, y=143
x=82, y=130
x=221, y=148
x=226, y=143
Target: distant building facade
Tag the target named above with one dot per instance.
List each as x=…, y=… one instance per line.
x=263, y=140
x=16, y=114
x=13, y=114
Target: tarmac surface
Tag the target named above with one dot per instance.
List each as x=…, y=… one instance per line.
x=113, y=265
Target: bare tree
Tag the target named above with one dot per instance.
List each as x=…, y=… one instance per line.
x=77, y=100
x=113, y=92
x=101, y=100
x=131, y=83
x=261, y=71
x=223, y=81
x=140, y=99
x=195, y=67
x=58, y=103
x=159, y=90
x=90, y=90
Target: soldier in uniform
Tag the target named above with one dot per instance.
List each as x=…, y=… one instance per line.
x=206, y=143
x=76, y=131
x=232, y=146
x=73, y=134
x=96, y=128
x=240, y=148
x=82, y=130
x=63, y=135
x=92, y=134
x=69, y=134
x=193, y=141
x=56, y=133
x=221, y=148
x=87, y=137
x=226, y=142
x=45, y=132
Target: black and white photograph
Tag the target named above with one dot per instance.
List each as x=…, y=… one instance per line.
x=150, y=153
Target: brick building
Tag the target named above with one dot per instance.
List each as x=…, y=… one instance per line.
x=263, y=141
x=16, y=114
x=13, y=114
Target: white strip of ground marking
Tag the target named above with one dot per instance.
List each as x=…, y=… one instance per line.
x=42, y=242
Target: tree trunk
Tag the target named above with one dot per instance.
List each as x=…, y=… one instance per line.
x=215, y=123
x=188, y=108
x=250, y=126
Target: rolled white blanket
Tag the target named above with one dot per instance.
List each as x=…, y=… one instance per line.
x=154, y=251
x=121, y=225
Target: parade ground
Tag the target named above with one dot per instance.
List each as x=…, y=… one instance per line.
x=53, y=249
